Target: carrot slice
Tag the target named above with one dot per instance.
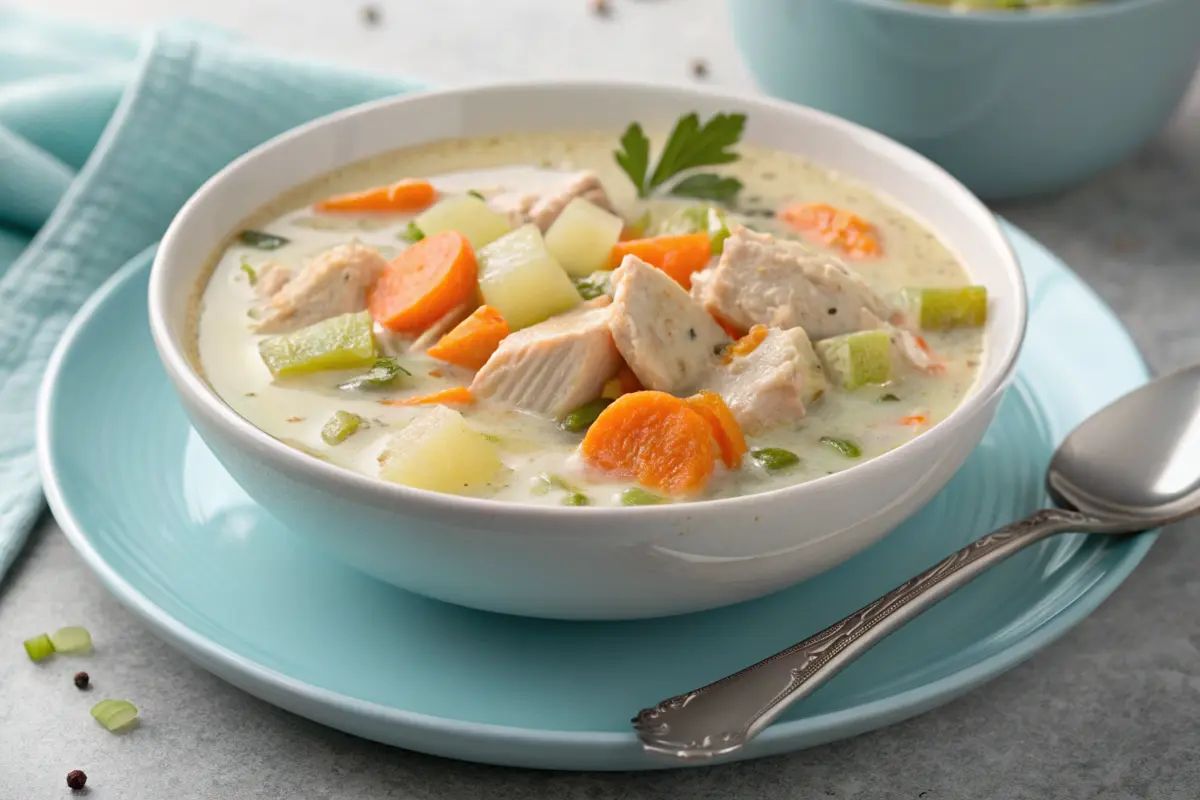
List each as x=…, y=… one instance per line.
x=424, y=283
x=915, y=419
x=625, y=382
x=733, y=330
x=458, y=395
x=745, y=345
x=678, y=256
x=654, y=438
x=404, y=196
x=726, y=430
x=835, y=227
x=471, y=343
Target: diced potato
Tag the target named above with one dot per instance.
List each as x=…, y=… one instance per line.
x=948, y=307
x=344, y=342
x=440, y=452
x=519, y=278
x=583, y=236
x=468, y=215
x=856, y=359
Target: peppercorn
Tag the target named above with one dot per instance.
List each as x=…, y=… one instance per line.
x=600, y=8
x=699, y=68
x=76, y=779
x=81, y=680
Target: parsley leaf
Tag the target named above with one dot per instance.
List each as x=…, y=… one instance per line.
x=707, y=186
x=634, y=156
x=690, y=145
x=382, y=375
x=412, y=233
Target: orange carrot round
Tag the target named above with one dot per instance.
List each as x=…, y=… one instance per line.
x=654, y=438
x=424, y=283
x=725, y=428
x=678, y=256
x=406, y=196
x=834, y=227
x=471, y=343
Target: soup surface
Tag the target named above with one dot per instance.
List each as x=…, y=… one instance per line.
x=486, y=357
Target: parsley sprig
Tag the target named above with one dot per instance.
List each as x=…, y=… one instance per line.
x=690, y=146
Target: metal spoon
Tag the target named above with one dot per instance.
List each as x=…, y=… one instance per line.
x=1132, y=466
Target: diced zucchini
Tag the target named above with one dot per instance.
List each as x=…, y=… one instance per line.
x=468, y=215
x=440, y=452
x=344, y=342
x=948, y=307
x=697, y=219
x=857, y=359
x=519, y=278
x=340, y=427
x=582, y=237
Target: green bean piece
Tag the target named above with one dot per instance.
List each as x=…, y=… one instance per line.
x=576, y=499
x=774, y=458
x=844, y=446
x=262, y=241
x=582, y=418
x=637, y=496
x=340, y=427
x=382, y=375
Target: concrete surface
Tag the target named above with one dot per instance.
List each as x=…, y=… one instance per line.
x=1109, y=712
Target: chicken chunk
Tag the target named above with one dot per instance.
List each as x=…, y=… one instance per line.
x=555, y=366
x=514, y=205
x=272, y=277
x=667, y=338
x=761, y=280
x=335, y=283
x=774, y=382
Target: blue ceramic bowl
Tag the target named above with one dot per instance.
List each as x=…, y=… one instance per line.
x=1011, y=103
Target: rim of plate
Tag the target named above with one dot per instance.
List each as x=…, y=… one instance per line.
x=1099, y=9
x=185, y=638
x=469, y=510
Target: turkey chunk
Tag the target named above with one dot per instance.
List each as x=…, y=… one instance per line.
x=667, y=338
x=773, y=383
x=761, y=280
x=555, y=366
x=335, y=283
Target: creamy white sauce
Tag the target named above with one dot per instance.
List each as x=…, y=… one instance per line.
x=295, y=409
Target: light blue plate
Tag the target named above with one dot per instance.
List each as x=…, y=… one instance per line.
x=168, y=531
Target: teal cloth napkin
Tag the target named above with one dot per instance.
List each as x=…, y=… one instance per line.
x=102, y=139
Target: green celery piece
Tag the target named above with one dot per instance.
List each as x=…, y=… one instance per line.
x=385, y=373
x=637, y=496
x=340, y=427
x=594, y=285
x=72, y=639
x=844, y=446
x=576, y=499
x=774, y=458
x=857, y=359
x=115, y=714
x=250, y=273
x=544, y=482
x=948, y=307
x=39, y=647
x=344, y=342
x=698, y=219
x=582, y=418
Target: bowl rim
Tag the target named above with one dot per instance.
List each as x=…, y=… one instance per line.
x=348, y=483
x=1098, y=9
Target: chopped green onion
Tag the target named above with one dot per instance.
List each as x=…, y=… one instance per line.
x=889, y=398
x=39, y=647
x=412, y=233
x=382, y=375
x=263, y=241
x=576, y=499
x=340, y=427
x=775, y=458
x=115, y=714
x=476, y=193
x=582, y=418
x=72, y=639
x=637, y=496
x=343, y=342
x=844, y=446
x=250, y=273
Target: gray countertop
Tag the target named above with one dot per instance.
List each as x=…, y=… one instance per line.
x=1110, y=711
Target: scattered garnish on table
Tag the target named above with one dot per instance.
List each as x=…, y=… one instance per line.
x=39, y=647
x=72, y=639
x=115, y=715
x=76, y=780
x=82, y=680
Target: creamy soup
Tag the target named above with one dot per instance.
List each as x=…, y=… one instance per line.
x=461, y=328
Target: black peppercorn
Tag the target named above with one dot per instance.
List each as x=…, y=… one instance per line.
x=81, y=680
x=76, y=779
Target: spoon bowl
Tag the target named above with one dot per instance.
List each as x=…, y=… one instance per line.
x=1132, y=466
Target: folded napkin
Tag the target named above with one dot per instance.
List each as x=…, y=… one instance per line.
x=102, y=139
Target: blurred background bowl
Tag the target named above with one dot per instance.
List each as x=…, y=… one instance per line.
x=1012, y=103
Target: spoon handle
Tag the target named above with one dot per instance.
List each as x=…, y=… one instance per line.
x=721, y=717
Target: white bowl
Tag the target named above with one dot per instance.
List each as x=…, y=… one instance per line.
x=584, y=563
